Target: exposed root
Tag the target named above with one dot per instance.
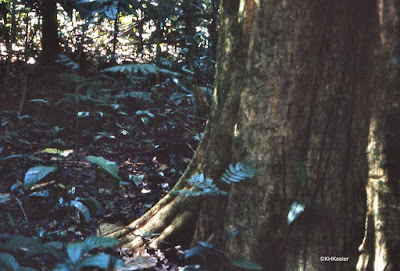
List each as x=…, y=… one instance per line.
x=171, y=219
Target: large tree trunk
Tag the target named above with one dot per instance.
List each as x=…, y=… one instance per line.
x=380, y=249
x=298, y=83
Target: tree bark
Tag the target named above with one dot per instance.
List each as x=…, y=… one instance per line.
x=380, y=249
x=50, y=41
x=302, y=89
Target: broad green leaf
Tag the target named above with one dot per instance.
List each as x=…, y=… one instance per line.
x=196, y=250
x=55, y=248
x=76, y=250
x=295, y=210
x=33, y=246
x=54, y=245
x=82, y=209
x=8, y=262
x=35, y=174
x=247, y=264
x=102, y=261
x=100, y=241
x=93, y=205
x=108, y=166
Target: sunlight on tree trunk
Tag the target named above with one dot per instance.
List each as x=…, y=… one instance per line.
x=382, y=224
x=296, y=89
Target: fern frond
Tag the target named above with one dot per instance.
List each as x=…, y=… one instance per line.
x=238, y=173
x=205, y=186
x=67, y=62
x=141, y=95
x=144, y=69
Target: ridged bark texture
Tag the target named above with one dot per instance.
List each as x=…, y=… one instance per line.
x=302, y=90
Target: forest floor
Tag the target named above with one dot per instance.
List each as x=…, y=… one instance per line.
x=149, y=131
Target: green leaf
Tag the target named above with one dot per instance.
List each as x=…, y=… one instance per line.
x=51, y=151
x=141, y=95
x=136, y=179
x=55, y=248
x=11, y=156
x=39, y=100
x=62, y=267
x=33, y=246
x=82, y=209
x=145, y=120
x=239, y=172
x=102, y=261
x=100, y=241
x=197, y=250
x=235, y=231
x=204, y=244
x=295, y=210
x=93, y=205
x=43, y=194
x=76, y=250
x=108, y=166
x=5, y=197
x=247, y=264
x=35, y=174
x=8, y=263
x=64, y=153
x=10, y=219
x=112, y=12
x=191, y=268
x=54, y=245
x=21, y=268
x=142, y=68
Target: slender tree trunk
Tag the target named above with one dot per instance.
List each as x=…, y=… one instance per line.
x=298, y=85
x=50, y=41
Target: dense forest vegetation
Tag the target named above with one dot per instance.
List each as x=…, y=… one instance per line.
x=199, y=135
x=102, y=106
